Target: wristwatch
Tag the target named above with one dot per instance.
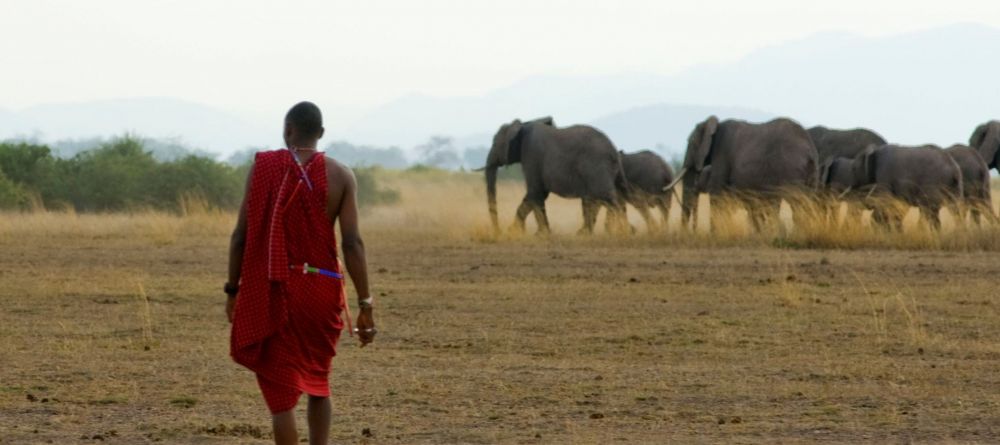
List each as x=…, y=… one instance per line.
x=231, y=289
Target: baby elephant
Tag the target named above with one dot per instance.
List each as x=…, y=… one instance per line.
x=976, y=181
x=647, y=174
x=925, y=177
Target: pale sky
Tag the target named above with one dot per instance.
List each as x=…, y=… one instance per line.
x=255, y=56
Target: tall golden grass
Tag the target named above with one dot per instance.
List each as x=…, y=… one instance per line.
x=453, y=205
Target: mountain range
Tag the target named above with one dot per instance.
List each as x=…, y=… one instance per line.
x=930, y=86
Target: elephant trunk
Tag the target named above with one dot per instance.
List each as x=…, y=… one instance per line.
x=491, y=195
x=689, y=202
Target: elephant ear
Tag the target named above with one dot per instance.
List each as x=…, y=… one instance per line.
x=547, y=120
x=986, y=140
x=824, y=171
x=512, y=138
x=977, y=136
x=704, y=146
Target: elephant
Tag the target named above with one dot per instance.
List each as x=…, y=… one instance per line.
x=646, y=175
x=925, y=177
x=831, y=143
x=836, y=177
x=749, y=160
x=573, y=162
x=975, y=181
x=986, y=140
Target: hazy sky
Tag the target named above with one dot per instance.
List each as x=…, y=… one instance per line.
x=256, y=56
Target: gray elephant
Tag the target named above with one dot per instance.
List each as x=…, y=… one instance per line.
x=925, y=177
x=831, y=143
x=975, y=180
x=647, y=174
x=757, y=161
x=572, y=162
x=837, y=176
x=986, y=140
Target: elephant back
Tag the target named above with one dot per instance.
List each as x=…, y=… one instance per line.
x=765, y=157
x=647, y=171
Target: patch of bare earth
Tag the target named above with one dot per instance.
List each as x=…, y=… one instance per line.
x=120, y=338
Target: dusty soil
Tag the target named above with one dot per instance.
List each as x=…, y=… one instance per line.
x=527, y=340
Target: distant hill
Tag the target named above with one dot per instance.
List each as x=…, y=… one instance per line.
x=928, y=86
x=665, y=127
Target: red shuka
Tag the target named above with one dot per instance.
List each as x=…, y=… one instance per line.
x=286, y=324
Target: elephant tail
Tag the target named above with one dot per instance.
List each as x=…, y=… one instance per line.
x=958, y=181
x=621, y=181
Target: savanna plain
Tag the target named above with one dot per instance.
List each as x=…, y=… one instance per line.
x=112, y=330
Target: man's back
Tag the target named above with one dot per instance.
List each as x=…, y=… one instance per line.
x=286, y=325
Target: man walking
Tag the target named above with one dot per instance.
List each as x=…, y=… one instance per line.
x=285, y=289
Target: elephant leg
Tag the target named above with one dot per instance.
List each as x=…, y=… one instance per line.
x=617, y=214
x=770, y=214
x=986, y=210
x=664, y=205
x=534, y=201
x=982, y=212
x=541, y=218
x=758, y=215
x=615, y=221
x=522, y=213
x=590, y=209
x=880, y=217
x=647, y=217
x=686, y=212
x=831, y=208
x=975, y=214
x=887, y=219
x=853, y=214
x=933, y=216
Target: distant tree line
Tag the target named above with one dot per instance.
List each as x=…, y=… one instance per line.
x=438, y=152
x=123, y=174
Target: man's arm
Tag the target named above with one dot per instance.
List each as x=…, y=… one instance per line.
x=236, y=244
x=354, y=255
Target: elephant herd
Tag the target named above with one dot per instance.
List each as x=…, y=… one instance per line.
x=756, y=163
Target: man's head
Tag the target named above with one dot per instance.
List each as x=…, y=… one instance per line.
x=303, y=125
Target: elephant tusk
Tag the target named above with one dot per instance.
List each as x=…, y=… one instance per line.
x=842, y=195
x=677, y=195
x=869, y=195
x=676, y=180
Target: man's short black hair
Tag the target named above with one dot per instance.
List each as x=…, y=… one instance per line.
x=306, y=118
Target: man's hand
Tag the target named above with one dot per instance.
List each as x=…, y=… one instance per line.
x=230, y=307
x=366, y=326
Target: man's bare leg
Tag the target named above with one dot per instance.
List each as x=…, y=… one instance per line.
x=319, y=420
x=284, y=428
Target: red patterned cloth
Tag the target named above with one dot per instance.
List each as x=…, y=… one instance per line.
x=286, y=325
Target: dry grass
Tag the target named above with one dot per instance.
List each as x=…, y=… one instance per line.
x=113, y=331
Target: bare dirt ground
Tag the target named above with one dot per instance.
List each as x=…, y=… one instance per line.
x=112, y=331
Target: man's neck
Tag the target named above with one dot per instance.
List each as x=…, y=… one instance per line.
x=302, y=145
x=302, y=152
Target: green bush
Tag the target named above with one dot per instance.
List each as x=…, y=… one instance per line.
x=12, y=195
x=121, y=174
x=369, y=193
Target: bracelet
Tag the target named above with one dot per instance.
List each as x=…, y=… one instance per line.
x=366, y=303
x=231, y=289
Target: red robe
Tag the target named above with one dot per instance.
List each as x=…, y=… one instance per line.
x=286, y=324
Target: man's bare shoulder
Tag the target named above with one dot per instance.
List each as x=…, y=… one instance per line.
x=337, y=174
